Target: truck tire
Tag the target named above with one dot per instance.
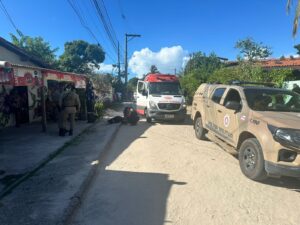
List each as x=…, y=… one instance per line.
x=251, y=160
x=148, y=119
x=200, y=131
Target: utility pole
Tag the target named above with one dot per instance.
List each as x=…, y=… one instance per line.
x=175, y=71
x=119, y=64
x=128, y=37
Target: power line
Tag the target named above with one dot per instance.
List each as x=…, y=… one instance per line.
x=106, y=26
x=9, y=17
x=86, y=27
x=87, y=10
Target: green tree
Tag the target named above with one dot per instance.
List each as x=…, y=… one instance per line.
x=297, y=47
x=251, y=50
x=81, y=57
x=197, y=71
x=253, y=73
x=132, y=84
x=153, y=69
x=37, y=47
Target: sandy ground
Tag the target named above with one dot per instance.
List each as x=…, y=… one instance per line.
x=161, y=174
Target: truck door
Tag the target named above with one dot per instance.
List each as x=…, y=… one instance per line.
x=228, y=119
x=141, y=97
x=210, y=109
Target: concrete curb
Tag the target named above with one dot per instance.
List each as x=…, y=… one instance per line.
x=76, y=200
x=41, y=164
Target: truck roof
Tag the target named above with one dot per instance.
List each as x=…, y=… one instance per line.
x=157, y=77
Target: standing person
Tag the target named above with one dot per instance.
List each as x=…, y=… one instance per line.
x=15, y=106
x=70, y=104
x=296, y=88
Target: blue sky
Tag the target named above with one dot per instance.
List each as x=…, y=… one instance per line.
x=178, y=27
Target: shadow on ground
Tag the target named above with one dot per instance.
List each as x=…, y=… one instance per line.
x=125, y=197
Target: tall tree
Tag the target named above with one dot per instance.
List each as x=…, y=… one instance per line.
x=197, y=71
x=37, y=47
x=298, y=48
x=132, y=83
x=153, y=69
x=81, y=57
x=252, y=50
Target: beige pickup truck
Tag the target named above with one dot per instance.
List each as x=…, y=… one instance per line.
x=261, y=124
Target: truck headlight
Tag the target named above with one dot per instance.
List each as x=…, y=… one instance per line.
x=152, y=105
x=286, y=136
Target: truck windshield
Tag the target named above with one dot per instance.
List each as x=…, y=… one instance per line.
x=273, y=100
x=165, y=88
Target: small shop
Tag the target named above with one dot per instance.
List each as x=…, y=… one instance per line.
x=56, y=81
x=21, y=93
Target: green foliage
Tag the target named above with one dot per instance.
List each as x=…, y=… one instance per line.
x=131, y=86
x=297, y=47
x=197, y=71
x=252, y=50
x=201, y=61
x=81, y=57
x=37, y=47
x=153, y=69
x=249, y=72
x=296, y=17
x=99, y=109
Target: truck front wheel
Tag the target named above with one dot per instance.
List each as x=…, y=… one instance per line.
x=251, y=160
x=200, y=131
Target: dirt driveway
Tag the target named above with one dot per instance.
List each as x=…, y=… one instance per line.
x=161, y=174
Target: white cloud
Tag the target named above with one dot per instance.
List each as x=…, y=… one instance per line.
x=104, y=68
x=166, y=60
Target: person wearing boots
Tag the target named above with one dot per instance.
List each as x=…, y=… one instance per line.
x=70, y=104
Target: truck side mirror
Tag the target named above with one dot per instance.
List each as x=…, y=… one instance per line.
x=233, y=105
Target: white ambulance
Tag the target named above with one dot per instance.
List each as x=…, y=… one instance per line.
x=160, y=97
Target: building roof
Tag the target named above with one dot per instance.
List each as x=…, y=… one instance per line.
x=293, y=63
x=6, y=44
x=286, y=62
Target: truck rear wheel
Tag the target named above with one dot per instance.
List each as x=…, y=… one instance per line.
x=200, y=131
x=251, y=160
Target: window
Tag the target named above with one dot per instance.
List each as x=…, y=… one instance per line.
x=218, y=95
x=277, y=100
x=141, y=87
x=233, y=96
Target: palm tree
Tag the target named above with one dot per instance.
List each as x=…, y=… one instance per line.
x=297, y=14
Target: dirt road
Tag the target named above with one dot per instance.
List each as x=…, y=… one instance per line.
x=161, y=174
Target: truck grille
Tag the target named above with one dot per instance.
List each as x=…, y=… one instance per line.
x=168, y=106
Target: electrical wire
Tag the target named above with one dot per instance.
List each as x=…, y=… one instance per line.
x=106, y=27
x=9, y=17
x=86, y=27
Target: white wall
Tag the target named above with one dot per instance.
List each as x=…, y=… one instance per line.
x=289, y=84
x=6, y=55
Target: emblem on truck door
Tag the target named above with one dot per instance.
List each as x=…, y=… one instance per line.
x=226, y=120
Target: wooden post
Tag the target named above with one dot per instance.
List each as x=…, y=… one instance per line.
x=43, y=99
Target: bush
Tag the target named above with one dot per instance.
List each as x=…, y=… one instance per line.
x=99, y=109
x=248, y=72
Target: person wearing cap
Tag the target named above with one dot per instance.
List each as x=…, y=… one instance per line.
x=70, y=104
